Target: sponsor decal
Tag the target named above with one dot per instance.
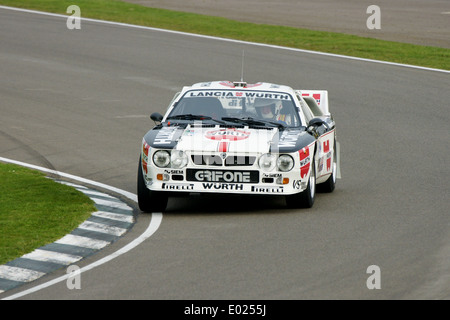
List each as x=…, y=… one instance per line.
x=188, y=133
x=144, y=158
x=267, y=189
x=223, y=186
x=326, y=146
x=144, y=166
x=304, y=161
x=297, y=184
x=272, y=175
x=238, y=94
x=173, y=171
x=227, y=84
x=227, y=134
x=288, y=139
x=145, y=148
x=326, y=149
x=328, y=161
x=222, y=176
x=171, y=186
x=224, y=136
x=165, y=135
x=316, y=96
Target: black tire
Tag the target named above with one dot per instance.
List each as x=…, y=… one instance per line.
x=306, y=198
x=149, y=201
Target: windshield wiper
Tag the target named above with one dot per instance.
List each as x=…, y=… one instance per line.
x=255, y=122
x=189, y=116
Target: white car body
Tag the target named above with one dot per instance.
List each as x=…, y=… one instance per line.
x=225, y=154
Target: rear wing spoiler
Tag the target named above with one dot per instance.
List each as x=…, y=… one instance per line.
x=319, y=96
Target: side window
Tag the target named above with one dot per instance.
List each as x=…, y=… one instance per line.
x=313, y=106
x=306, y=111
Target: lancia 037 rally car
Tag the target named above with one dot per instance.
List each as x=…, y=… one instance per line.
x=234, y=137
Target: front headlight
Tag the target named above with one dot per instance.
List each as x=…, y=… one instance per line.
x=178, y=159
x=267, y=161
x=285, y=163
x=161, y=158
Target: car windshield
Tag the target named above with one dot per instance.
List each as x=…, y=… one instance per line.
x=237, y=106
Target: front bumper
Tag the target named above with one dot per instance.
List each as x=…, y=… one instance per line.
x=248, y=179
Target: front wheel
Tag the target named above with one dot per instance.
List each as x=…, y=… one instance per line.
x=306, y=198
x=148, y=200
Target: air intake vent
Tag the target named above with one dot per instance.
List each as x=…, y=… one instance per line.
x=240, y=84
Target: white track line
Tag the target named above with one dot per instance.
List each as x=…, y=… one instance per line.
x=227, y=40
x=155, y=222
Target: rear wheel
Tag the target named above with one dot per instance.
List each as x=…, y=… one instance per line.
x=306, y=198
x=148, y=200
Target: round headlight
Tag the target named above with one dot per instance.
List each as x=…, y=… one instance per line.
x=178, y=159
x=161, y=158
x=285, y=163
x=267, y=162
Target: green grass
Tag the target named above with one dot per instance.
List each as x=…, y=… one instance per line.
x=114, y=10
x=35, y=210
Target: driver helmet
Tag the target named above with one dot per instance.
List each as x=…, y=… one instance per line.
x=267, y=108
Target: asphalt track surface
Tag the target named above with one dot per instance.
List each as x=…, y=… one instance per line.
x=78, y=101
x=423, y=22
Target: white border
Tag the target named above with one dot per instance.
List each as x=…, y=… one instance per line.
x=155, y=222
x=229, y=40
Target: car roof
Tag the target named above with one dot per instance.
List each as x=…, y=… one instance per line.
x=264, y=86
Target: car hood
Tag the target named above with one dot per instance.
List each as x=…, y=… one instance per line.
x=235, y=140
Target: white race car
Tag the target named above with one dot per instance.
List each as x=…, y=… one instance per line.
x=234, y=137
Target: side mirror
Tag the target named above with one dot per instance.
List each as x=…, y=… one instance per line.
x=156, y=117
x=314, y=124
x=317, y=122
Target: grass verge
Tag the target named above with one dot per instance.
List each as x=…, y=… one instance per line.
x=35, y=210
x=337, y=43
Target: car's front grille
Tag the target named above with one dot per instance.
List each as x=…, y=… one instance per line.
x=227, y=161
x=232, y=161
